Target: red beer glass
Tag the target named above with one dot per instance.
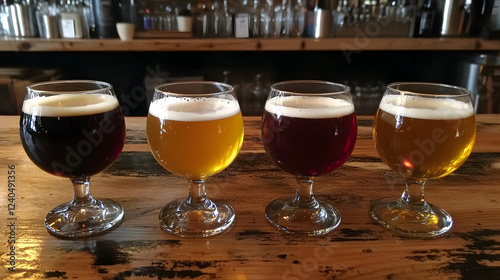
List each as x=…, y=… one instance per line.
x=308, y=129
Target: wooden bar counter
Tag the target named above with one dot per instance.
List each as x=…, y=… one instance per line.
x=251, y=249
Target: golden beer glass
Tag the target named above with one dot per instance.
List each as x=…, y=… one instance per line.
x=422, y=131
x=195, y=130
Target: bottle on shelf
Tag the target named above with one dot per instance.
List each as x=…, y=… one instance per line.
x=425, y=19
x=106, y=14
x=184, y=19
x=71, y=20
x=144, y=16
x=218, y=19
x=268, y=20
x=465, y=18
x=88, y=17
x=310, y=18
x=298, y=18
x=286, y=17
x=163, y=17
x=343, y=14
x=227, y=20
x=255, y=18
x=128, y=11
x=242, y=20
x=481, y=13
x=201, y=24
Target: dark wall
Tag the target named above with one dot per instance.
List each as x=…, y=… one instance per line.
x=134, y=74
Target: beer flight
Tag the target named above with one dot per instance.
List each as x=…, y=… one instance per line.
x=75, y=129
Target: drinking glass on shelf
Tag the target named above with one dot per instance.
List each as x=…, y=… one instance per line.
x=75, y=129
x=195, y=130
x=308, y=129
x=422, y=131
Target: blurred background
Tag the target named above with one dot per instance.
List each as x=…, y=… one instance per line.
x=134, y=74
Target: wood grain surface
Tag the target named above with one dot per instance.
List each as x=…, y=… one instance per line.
x=252, y=249
x=359, y=42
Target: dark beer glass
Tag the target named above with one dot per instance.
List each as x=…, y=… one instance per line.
x=422, y=131
x=308, y=129
x=75, y=129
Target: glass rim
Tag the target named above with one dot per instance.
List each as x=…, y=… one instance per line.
x=343, y=89
x=105, y=86
x=223, y=88
x=460, y=91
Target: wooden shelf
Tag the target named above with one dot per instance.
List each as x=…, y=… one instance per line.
x=231, y=44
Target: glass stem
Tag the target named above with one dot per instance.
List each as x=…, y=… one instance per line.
x=414, y=193
x=82, y=199
x=197, y=193
x=81, y=191
x=304, y=195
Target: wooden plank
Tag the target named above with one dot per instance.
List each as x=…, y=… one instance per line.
x=357, y=43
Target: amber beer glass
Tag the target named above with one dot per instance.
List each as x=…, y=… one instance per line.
x=195, y=130
x=422, y=131
x=308, y=129
x=75, y=129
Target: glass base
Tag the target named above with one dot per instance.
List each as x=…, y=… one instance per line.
x=186, y=220
x=73, y=222
x=288, y=216
x=411, y=221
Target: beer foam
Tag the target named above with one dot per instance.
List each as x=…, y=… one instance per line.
x=193, y=109
x=69, y=105
x=419, y=107
x=309, y=107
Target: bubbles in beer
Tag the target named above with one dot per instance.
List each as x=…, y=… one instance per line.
x=420, y=107
x=193, y=109
x=309, y=107
x=69, y=105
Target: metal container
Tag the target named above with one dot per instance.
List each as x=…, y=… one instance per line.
x=47, y=26
x=323, y=23
x=21, y=20
x=452, y=11
x=481, y=75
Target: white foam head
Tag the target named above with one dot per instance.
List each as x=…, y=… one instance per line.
x=420, y=107
x=193, y=109
x=69, y=104
x=309, y=107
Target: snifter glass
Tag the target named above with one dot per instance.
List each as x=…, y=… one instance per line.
x=75, y=129
x=422, y=131
x=195, y=130
x=308, y=129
